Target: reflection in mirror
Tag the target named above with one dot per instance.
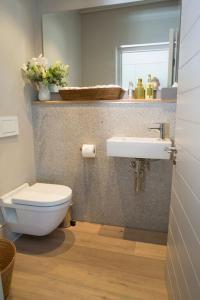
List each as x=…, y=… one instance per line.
x=115, y=44
x=138, y=61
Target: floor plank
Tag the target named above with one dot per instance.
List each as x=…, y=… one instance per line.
x=85, y=262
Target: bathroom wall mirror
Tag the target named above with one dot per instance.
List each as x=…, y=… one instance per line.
x=115, y=44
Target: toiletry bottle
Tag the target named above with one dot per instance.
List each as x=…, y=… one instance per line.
x=149, y=88
x=139, y=90
x=130, y=90
x=156, y=88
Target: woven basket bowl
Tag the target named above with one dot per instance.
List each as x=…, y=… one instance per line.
x=96, y=94
x=7, y=258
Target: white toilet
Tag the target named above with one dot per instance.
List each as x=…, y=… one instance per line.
x=37, y=209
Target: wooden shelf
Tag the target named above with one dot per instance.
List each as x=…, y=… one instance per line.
x=121, y=101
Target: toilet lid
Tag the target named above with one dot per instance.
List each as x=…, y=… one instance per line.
x=41, y=194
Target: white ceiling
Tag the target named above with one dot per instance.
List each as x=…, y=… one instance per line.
x=50, y=6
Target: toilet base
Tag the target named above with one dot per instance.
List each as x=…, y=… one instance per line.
x=36, y=210
x=38, y=223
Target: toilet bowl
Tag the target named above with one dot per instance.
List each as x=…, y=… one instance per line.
x=37, y=209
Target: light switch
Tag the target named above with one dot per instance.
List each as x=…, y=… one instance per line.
x=9, y=126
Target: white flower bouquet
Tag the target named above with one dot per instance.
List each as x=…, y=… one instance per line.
x=43, y=76
x=36, y=71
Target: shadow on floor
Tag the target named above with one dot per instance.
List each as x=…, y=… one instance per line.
x=53, y=244
x=144, y=236
x=136, y=235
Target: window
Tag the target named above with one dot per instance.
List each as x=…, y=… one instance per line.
x=138, y=61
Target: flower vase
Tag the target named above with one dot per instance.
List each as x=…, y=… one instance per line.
x=53, y=88
x=44, y=93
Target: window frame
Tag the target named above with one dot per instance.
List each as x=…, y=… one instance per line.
x=137, y=47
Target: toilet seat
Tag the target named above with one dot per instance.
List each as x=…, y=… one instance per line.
x=42, y=195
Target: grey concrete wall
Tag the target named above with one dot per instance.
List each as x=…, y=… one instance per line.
x=183, y=265
x=103, y=188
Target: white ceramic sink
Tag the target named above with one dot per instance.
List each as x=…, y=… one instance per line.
x=135, y=147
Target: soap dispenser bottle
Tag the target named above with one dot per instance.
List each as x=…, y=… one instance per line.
x=139, y=90
x=130, y=90
x=149, y=88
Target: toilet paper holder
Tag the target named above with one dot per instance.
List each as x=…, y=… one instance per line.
x=82, y=148
x=89, y=151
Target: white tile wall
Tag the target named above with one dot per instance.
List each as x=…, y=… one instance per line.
x=183, y=265
x=190, y=15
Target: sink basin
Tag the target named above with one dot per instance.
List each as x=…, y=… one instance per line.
x=135, y=147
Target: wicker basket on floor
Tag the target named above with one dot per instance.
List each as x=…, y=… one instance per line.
x=7, y=258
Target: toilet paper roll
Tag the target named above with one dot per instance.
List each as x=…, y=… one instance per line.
x=88, y=151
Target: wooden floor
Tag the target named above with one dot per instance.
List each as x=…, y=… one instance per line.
x=86, y=262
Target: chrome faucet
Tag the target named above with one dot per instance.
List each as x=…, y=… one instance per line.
x=164, y=130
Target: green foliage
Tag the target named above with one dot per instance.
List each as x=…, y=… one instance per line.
x=57, y=74
x=37, y=71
